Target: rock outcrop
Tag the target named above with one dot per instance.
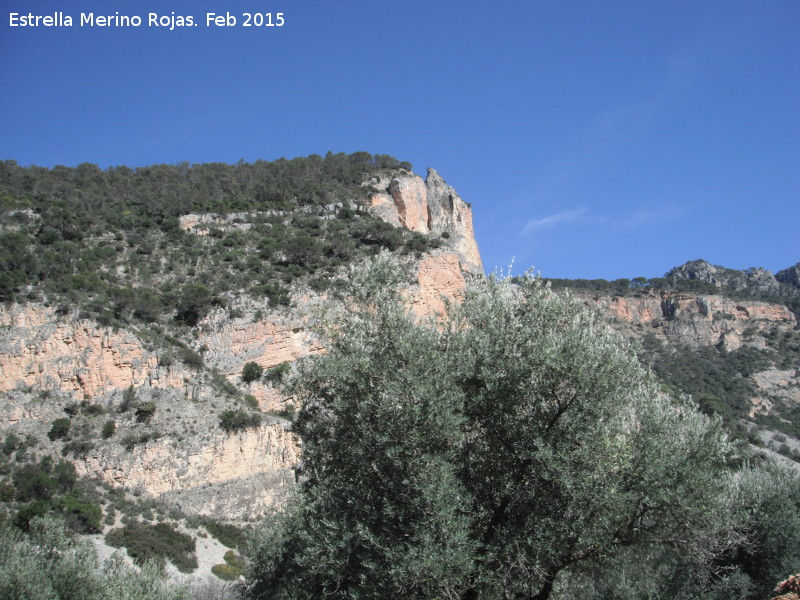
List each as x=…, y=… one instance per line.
x=439, y=281
x=789, y=589
x=683, y=322
x=51, y=361
x=238, y=475
x=428, y=206
x=756, y=279
x=700, y=320
x=790, y=276
x=42, y=350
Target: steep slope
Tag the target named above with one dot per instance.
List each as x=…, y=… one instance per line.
x=429, y=206
x=728, y=338
x=164, y=367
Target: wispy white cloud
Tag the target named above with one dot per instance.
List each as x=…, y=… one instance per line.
x=635, y=220
x=566, y=216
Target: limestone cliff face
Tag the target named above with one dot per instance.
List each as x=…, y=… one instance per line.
x=50, y=361
x=428, y=206
x=238, y=475
x=679, y=320
x=701, y=320
x=46, y=351
x=440, y=281
x=231, y=342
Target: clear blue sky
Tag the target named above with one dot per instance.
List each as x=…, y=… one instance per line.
x=593, y=139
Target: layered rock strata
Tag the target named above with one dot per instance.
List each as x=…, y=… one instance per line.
x=701, y=320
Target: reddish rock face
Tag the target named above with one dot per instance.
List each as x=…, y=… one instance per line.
x=440, y=281
x=44, y=351
x=711, y=320
x=789, y=589
x=236, y=467
x=698, y=320
x=428, y=206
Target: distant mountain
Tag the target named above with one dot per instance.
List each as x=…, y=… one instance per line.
x=725, y=337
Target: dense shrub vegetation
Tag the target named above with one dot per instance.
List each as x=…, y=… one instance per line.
x=228, y=535
x=252, y=372
x=59, y=429
x=42, y=488
x=155, y=542
x=237, y=420
x=109, y=240
x=50, y=564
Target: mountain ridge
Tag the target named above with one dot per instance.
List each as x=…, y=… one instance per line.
x=126, y=333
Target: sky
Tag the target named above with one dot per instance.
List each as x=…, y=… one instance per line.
x=593, y=139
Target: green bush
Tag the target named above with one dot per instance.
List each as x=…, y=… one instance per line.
x=157, y=542
x=194, y=302
x=77, y=448
x=65, y=475
x=33, y=483
x=228, y=535
x=11, y=443
x=238, y=420
x=80, y=514
x=59, y=429
x=92, y=410
x=190, y=358
x=128, y=399
x=7, y=492
x=288, y=412
x=132, y=440
x=251, y=372
x=234, y=559
x=277, y=373
x=226, y=572
x=145, y=411
x=109, y=428
x=29, y=512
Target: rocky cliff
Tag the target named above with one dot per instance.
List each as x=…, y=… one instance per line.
x=428, y=206
x=756, y=279
x=734, y=344
x=702, y=320
x=54, y=364
x=58, y=361
x=43, y=350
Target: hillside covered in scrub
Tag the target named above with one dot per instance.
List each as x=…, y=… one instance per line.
x=729, y=339
x=164, y=389
x=149, y=315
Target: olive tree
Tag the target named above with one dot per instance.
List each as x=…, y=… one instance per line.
x=490, y=455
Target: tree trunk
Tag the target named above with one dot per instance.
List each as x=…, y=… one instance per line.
x=544, y=593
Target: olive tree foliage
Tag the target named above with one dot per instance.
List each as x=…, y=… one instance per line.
x=50, y=564
x=764, y=500
x=495, y=454
x=750, y=542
